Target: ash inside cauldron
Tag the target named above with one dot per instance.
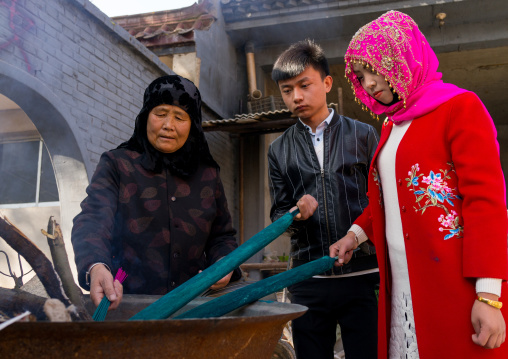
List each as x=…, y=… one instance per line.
x=248, y=332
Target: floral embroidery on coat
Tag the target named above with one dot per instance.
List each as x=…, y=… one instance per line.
x=436, y=193
x=377, y=180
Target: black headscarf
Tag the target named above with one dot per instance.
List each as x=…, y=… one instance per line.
x=177, y=91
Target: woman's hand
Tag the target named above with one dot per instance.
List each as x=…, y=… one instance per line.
x=307, y=205
x=343, y=249
x=222, y=283
x=101, y=283
x=488, y=323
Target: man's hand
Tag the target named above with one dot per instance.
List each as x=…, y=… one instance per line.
x=488, y=323
x=343, y=248
x=101, y=283
x=307, y=205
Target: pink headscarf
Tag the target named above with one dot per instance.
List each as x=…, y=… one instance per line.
x=393, y=46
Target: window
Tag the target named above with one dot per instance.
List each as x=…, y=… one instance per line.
x=26, y=175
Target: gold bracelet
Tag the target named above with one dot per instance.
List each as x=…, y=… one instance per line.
x=492, y=303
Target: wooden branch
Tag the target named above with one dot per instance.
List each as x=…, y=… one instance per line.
x=18, y=281
x=34, y=256
x=264, y=266
x=62, y=267
x=39, y=262
x=16, y=301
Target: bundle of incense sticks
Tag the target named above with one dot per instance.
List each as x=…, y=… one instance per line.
x=102, y=309
x=183, y=294
x=246, y=295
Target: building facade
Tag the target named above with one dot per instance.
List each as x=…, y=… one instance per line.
x=72, y=79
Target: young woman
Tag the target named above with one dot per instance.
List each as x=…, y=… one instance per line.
x=437, y=211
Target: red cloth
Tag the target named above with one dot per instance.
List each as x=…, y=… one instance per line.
x=443, y=272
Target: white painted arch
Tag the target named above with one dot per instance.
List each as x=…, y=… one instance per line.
x=55, y=123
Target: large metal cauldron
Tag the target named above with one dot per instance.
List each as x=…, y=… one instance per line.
x=249, y=332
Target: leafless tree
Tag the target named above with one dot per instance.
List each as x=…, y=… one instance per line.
x=18, y=281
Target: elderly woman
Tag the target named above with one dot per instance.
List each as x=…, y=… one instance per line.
x=156, y=205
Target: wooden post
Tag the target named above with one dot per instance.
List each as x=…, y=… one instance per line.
x=341, y=102
x=242, y=189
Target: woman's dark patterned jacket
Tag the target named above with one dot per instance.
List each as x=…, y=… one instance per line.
x=159, y=228
x=340, y=188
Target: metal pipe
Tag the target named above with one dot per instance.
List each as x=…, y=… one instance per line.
x=251, y=71
x=241, y=219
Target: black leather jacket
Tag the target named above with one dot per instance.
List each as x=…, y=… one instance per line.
x=340, y=187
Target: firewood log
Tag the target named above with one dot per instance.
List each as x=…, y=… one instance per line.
x=39, y=262
x=17, y=301
x=62, y=267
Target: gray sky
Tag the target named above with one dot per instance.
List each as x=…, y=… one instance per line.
x=129, y=7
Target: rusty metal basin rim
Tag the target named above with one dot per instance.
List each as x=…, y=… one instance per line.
x=249, y=332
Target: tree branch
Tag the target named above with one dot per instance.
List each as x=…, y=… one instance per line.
x=38, y=261
x=62, y=267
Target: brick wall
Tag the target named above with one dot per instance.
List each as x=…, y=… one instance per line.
x=93, y=66
x=96, y=69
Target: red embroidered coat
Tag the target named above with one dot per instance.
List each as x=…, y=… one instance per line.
x=451, y=194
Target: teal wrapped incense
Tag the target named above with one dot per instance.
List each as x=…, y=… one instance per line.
x=189, y=290
x=246, y=295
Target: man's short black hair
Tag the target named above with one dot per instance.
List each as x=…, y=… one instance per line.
x=297, y=57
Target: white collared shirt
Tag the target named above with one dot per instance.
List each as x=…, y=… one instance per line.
x=317, y=137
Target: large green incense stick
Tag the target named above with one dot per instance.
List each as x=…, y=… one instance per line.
x=182, y=295
x=233, y=300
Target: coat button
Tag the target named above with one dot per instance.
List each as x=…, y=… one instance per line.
x=176, y=254
x=173, y=284
x=403, y=208
x=406, y=235
x=173, y=198
x=399, y=182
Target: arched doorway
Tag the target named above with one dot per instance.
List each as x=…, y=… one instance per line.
x=43, y=161
x=28, y=190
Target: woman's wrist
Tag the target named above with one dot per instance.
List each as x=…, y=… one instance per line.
x=89, y=271
x=490, y=299
x=359, y=233
x=354, y=238
x=489, y=296
x=488, y=291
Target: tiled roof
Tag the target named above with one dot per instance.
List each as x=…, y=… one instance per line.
x=261, y=122
x=235, y=10
x=169, y=27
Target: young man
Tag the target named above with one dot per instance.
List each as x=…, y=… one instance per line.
x=325, y=156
